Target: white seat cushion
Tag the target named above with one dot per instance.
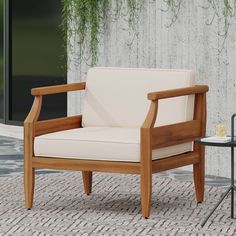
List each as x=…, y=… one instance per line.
x=99, y=143
x=117, y=97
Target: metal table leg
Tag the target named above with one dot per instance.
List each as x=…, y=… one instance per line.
x=232, y=182
x=231, y=189
x=219, y=202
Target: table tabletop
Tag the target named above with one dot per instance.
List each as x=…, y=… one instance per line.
x=216, y=144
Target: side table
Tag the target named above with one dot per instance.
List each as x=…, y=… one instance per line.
x=232, y=188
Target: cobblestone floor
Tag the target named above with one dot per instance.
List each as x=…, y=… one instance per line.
x=11, y=157
x=61, y=207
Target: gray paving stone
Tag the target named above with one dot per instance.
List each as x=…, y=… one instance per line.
x=61, y=207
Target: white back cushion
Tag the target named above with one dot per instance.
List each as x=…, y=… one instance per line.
x=118, y=96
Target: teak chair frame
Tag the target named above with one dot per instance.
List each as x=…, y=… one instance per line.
x=151, y=138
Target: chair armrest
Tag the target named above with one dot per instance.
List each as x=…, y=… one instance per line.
x=33, y=127
x=34, y=113
x=197, y=89
x=33, y=116
x=58, y=89
x=155, y=96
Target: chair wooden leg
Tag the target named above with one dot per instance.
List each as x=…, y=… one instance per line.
x=146, y=165
x=199, y=178
x=29, y=182
x=146, y=193
x=87, y=180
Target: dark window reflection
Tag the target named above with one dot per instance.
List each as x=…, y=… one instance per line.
x=1, y=58
x=37, y=56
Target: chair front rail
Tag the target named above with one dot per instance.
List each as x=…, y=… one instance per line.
x=114, y=166
x=86, y=165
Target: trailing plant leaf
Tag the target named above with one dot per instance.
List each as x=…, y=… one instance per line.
x=224, y=12
x=174, y=7
x=86, y=19
x=134, y=8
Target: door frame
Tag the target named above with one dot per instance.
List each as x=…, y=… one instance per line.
x=8, y=65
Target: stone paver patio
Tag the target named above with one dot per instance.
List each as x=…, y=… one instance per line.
x=61, y=207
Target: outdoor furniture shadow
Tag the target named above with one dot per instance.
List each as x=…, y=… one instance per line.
x=135, y=121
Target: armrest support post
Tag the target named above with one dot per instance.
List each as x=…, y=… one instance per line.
x=199, y=168
x=151, y=116
x=232, y=127
x=35, y=111
x=200, y=111
x=29, y=129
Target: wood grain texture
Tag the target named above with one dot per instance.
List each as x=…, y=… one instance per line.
x=29, y=172
x=146, y=171
x=58, y=89
x=175, y=161
x=86, y=165
x=29, y=134
x=199, y=168
x=169, y=135
x=87, y=181
x=151, y=116
x=146, y=159
x=59, y=124
x=178, y=92
x=151, y=138
x=35, y=111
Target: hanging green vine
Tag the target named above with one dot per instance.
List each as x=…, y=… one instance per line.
x=86, y=19
x=174, y=7
x=224, y=12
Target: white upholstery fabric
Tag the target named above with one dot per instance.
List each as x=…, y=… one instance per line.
x=99, y=143
x=117, y=97
x=115, y=106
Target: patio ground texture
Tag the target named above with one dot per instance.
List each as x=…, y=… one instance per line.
x=61, y=207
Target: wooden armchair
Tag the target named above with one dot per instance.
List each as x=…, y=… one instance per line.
x=151, y=146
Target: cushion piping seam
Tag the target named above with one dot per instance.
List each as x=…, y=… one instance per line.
x=95, y=141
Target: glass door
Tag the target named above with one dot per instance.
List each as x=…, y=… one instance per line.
x=1, y=60
x=35, y=57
